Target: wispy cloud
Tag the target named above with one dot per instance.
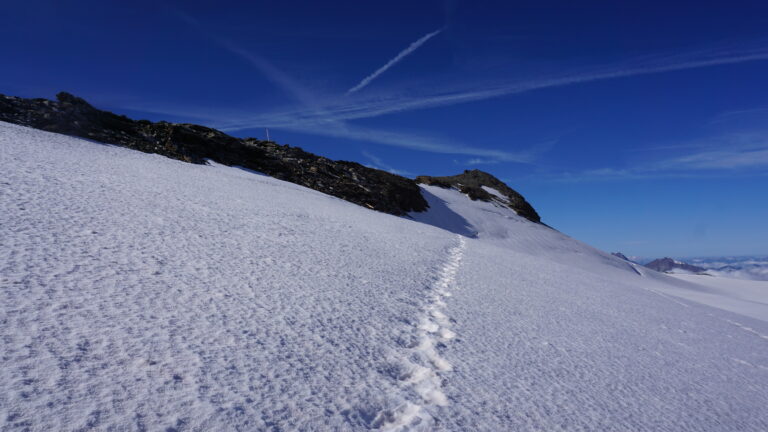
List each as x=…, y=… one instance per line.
x=717, y=160
x=756, y=114
x=275, y=75
x=331, y=116
x=305, y=97
x=728, y=154
x=375, y=105
x=481, y=161
x=414, y=141
x=378, y=163
x=324, y=121
x=400, y=56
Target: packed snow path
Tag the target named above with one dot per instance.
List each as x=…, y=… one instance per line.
x=422, y=371
x=143, y=293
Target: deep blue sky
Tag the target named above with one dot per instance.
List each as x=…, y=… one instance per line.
x=634, y=127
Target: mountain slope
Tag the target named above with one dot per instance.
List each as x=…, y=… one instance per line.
x=350, y=181
x=143, y=293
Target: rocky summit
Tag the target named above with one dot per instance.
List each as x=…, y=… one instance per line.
x=476, y=185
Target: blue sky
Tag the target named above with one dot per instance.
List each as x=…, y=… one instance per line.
x=640, y=127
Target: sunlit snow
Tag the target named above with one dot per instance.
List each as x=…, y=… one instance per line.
x=143, y=293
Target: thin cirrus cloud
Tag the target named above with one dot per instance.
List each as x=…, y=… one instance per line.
x=331, y=119
x=330, y=116
x=734, y=152
x=728, y=151
x=377, y=163
x=719, y=160
x=326, y=124
x=414, y=141
x=376, y=105
x=395, y=60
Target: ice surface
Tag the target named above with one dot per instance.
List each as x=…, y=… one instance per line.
x=143, y=293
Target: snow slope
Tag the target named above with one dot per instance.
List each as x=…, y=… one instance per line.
x=496, y=224
x=143, y=293
x=493, y=223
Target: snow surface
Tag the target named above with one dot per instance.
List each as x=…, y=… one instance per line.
x=497, y=224
x=494, y=192
x=143, y=293
x=746, y=297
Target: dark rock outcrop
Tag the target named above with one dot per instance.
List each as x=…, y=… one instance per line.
x=350, y=181
x=622, y=256
x=669, y=265
x=471, y=182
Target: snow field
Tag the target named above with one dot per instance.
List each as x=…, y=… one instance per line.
x=143, y=293
x=545, y=346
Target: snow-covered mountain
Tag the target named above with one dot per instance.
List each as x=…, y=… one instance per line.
x=144, y=293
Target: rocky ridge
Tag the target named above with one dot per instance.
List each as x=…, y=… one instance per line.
x=350, y=181
x=71, y=115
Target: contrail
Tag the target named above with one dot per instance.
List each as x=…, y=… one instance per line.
x=377, y=105
x=321, y=122
x=411, y=48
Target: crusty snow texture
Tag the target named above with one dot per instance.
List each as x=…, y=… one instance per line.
x=143, y=293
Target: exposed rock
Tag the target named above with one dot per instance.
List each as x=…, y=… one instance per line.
x=471, y=182
x=350, y=181
x=670, y=265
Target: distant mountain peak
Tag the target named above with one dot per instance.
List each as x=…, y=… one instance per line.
x=480, y=185
x=667, y=264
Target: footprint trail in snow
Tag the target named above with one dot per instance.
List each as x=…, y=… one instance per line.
x=424, y=366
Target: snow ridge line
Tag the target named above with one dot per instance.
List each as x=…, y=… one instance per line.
x=424, y=375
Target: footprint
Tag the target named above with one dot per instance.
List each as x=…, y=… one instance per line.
x=424, y=376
